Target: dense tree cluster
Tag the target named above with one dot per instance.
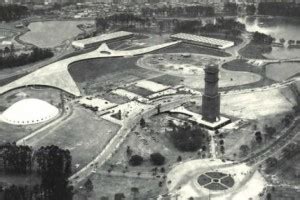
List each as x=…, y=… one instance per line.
x=178, y=11
x=122, y=19
x=226, y=27
x=8, y=57
x=54, y=167
x=229, y=27
x=12, y=12
x=188, y=138
x=250, y=9
x=279, y=9
x=157, y=159
x=230, y=8
x=188, y=26
x=136, y=160
x=261, y=38
x=16, y=159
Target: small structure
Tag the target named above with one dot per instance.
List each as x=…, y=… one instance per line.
x=203, y=41
x=95, y=41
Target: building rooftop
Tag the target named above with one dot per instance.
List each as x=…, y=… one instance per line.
x=201, y=39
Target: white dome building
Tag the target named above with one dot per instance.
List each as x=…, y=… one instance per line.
x=29, y=111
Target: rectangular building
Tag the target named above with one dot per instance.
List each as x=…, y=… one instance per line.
x=203, y=41
x=96, y=41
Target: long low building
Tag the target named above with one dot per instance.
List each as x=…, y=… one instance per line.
x=204, y=41
x=96, y=41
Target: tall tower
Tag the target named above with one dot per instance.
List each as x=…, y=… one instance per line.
x=211, y=97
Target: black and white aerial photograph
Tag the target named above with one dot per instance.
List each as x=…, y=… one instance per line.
x=149, y=99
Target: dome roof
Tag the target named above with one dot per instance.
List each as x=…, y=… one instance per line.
x=29, y=111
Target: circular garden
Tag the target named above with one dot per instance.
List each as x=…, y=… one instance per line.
x=216, y=181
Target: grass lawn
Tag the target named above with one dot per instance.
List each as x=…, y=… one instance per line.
x=12, y=133
x=167, y=80
x=98, y=75
x=146, y=141
x=138, y=90
x=108, y=186
x=255, y=51
x=83, y=134
x=242, y=65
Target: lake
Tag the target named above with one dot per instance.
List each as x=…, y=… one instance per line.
x=277, y=27
x=282, y=71
x=51, y=33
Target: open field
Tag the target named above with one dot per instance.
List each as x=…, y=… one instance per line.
x=83, y=134
x=258, y=104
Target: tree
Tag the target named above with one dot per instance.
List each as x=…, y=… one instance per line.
x=271, y=164
x=128, y=151
x=89, y=185
x=136, y=160
x=269, y=196
x=244, y=150
x=135, y=191
x=157, y=159
x=258, y=137
x=250, y=9
x=270, y=131
x=142, y=122
x=179, y=159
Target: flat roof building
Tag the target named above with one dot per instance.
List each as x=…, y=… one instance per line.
x=203, y=41
x=96, y=41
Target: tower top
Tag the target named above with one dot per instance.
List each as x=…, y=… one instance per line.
x=211, y=68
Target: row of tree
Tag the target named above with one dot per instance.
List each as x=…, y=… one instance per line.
x=12, y=12
x=9, y=58
x=178, y=11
